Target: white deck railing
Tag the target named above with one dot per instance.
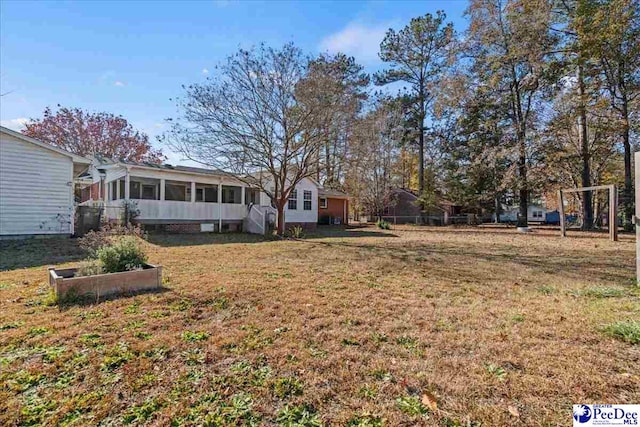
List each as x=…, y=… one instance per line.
x=173, y=210
x=151, y=210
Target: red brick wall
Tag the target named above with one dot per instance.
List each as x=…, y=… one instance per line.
x=335, y=208
x=90, y=192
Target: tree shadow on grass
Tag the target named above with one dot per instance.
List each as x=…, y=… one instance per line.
x=573, y=264
x=170, y=240
x=350, y=232
x=187, y=239
x=536, y=232
x=29, y=253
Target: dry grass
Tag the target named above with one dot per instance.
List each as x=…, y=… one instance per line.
x=412, y=326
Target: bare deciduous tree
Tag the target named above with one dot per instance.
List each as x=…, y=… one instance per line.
x=255, y=120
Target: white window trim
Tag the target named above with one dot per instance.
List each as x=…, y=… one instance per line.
x=293, y=196
x=324, y=203
x=306, y=193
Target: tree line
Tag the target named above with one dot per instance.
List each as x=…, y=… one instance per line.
x=535, y=95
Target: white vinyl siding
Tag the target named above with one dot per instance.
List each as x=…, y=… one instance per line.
x=35, y=189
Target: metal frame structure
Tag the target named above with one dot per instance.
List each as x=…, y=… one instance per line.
x=613, y=208
x=637, y=217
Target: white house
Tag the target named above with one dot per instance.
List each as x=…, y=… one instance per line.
x=535, y=213
x=36, y=186
x=182, y=198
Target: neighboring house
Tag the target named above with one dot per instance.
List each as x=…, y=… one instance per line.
x=333, y=207
x=404, y=208
x=189, y=199
x=535, y=213
x=36, y=186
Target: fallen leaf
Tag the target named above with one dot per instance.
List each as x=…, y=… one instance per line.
x=514, y=411
x=430, y=401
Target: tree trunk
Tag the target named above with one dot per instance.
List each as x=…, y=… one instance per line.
x=421, y=162
x=497, y=207
x=628, y=195
x=281, y=218
x=523, y=220
x=421, y=139
x=587, y=207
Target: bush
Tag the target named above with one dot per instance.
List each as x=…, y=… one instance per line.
x=90, y=267
x=297, y=232
x=106, y=236
x=126, y=254
x=384, y=225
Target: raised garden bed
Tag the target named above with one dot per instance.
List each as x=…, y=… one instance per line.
x=66, y=285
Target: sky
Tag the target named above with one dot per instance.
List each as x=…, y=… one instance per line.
x=132, y=58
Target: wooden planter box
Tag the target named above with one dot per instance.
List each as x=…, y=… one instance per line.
x=65, y=284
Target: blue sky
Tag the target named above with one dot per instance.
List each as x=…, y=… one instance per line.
x=131, y=58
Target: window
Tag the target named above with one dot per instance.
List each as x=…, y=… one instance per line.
x=114, y=189
x=292, y=204
x=176, y=191
x=323, y=202
x=206, y=193
x=134, y=190
x=251, y=196
x=231, y=194
x=307, y=200
x=149, y=192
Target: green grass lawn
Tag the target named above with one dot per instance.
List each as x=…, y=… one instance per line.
x=364, y=327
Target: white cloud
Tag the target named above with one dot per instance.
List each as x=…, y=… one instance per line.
x=15, y=124
x=205, y=71
x=119, y=83
x=358, y=40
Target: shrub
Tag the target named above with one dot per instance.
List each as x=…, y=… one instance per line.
x=124, y=255
x=90, y=267
x=296, y=232
x=106, y=236
x=383, y=225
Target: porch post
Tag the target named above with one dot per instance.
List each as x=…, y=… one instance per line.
x=161, y=188
x=117, y=184
x=193, y=191
x=242, y=199
x=220, y=206
x=127, y=186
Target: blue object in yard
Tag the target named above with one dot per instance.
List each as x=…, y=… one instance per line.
x=552, y=217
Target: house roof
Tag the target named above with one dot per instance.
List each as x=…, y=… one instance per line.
x=74, y=157
x=335, y=194
x=106, y=161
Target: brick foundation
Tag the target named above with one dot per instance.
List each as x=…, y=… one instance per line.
x=193, y=227
x=181, y=228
